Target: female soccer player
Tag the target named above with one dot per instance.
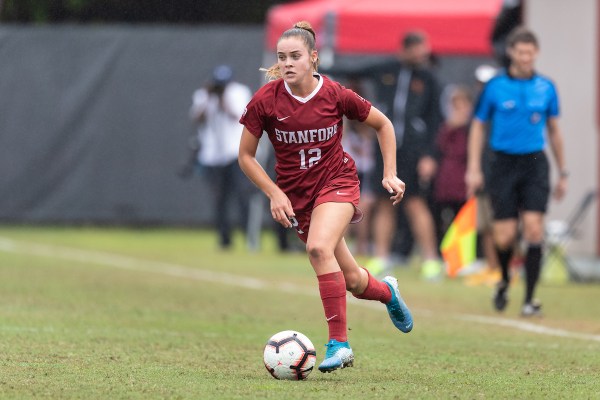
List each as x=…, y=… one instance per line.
x=317, y=189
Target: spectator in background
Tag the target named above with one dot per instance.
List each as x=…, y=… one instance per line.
x=216, y=109
x=359, y=141
x=450, y=190
x=522, y=108
x=449, y=193
x=485, y=241
x=408, y=93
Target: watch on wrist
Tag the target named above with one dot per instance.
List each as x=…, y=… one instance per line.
x=564, y=173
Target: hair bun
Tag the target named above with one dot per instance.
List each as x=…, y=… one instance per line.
x=306, y=26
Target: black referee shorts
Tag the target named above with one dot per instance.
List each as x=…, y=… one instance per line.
x=518, y=182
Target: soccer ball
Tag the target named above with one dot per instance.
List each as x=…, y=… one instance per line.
x=289, y=355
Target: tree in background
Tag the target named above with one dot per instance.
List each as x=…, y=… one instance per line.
x=135, y=11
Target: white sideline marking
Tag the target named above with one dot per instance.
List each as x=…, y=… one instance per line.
x=180, y=271
x=528, y=327
x=137, y=264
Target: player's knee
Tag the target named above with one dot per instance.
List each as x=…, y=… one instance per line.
x=353, y=280
x=504, y=243
x=317, y=252
x=504, y=238
x=533, y=234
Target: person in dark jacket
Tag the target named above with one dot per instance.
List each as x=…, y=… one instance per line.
x=408, y=94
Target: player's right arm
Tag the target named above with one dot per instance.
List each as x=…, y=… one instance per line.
x=474, y=175
x=281, y=207
x=555, y=138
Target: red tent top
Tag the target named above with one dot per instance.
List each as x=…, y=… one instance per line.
x=376, y=26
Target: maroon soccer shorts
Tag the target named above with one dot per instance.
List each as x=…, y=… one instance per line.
x=335, y=192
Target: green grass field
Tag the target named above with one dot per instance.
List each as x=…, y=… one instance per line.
x=160, y=313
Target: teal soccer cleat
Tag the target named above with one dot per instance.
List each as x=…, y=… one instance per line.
x=397, y=309
x=338, y=355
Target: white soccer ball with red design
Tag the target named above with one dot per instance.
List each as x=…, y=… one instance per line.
x=289, y=355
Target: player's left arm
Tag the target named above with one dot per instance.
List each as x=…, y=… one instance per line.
x=555, y=138
x=387, y=144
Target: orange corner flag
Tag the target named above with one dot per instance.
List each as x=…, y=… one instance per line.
x=460, y=241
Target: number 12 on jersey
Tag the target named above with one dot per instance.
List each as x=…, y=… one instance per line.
x=314, y=157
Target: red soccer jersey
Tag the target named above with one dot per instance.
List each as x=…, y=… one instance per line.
x=306, y=134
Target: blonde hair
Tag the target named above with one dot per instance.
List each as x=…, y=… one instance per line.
x=304, y=31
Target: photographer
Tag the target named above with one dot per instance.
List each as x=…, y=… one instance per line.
x=216, y=109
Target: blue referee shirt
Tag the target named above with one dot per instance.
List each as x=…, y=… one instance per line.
x=518, y=110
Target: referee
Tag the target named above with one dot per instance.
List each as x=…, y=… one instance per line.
x=522, y=109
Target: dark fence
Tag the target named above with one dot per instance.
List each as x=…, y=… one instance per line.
x=94, y=120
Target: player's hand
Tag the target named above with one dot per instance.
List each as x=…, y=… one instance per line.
x=560, y=189
x=395, y=187
x=426, y=168
x=281, y=208
x=474, y=182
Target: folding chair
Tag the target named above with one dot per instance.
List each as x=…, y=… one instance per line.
x=559, y=233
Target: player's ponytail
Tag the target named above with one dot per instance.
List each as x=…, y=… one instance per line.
x=303, y=30
x=272, y=73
